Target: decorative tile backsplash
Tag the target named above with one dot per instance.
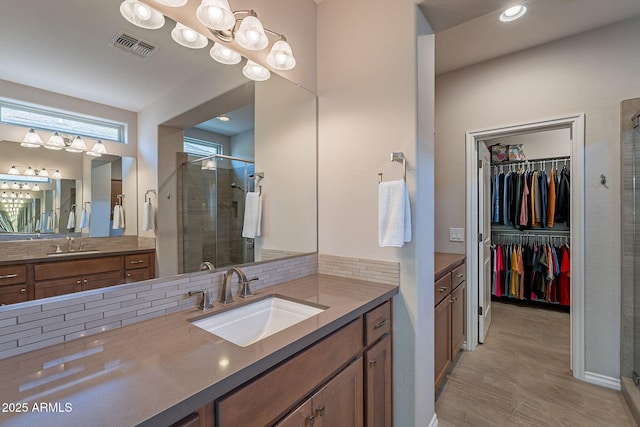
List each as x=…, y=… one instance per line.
x=362, y=269
x=38, y=324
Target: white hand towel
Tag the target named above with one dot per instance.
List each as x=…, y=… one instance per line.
x=37, y=225
x=71, y=224
x=50, y=222
x=121, y=216
x=148, y=220
x=84, y=218
x=116, y=217
x=394, y=214
x=252, y=215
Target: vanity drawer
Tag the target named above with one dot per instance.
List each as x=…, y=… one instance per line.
x=458, y=276
x=137, y=275
x=13, y=275
x=377, y=323
x=136, y=261
x=60, y=269
x=442, y=288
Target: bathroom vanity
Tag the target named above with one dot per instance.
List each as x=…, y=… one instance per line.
x=332, y=369
x=69, y=272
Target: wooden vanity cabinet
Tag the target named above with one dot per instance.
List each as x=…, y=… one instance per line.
x=203, y=417
x=139, y=267
x=342, y=380
x=450, y=319
x=14, y=284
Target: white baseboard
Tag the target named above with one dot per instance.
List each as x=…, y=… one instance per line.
x=434, y=421
x=602, y=380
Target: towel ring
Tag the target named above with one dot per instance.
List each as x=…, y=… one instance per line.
x=397, y=156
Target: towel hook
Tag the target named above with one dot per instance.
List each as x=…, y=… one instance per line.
x=146, y=194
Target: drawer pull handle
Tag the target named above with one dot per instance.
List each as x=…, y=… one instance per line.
x=310, y=420
x=137, y=261
x=443, y=288
x=372, y=363
x=460, y=276
x=320, y=411
x=78, y=282
x=8, y=276
x=128, y=274
x=380, y=324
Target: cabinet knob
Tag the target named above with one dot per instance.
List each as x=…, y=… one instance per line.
x=23, y=291
x=372, y=363
x=128, y=274
x=85, y=280
x=78, y=282
x=460, y=276
x=443, y=288
x=309, y=420
x=320, y=411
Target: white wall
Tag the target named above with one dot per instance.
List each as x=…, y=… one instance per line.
x=539, y=145
x=367, y=108
x=589, y=73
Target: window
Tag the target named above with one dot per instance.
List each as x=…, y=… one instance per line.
x=200, y=147
x=53, y=121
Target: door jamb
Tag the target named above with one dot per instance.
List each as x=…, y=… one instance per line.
x=576, y=123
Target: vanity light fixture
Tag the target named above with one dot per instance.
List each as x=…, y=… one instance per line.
x=141, y=15
x=28, y=196
x=77, y=145
x=35, y=188
x=29, y=171
x=26, y=187
x=513, y=13
x=241, y=26
x=31, y=139
x=15, y=186
x=255, y=71
x=224, y=55
x=4, y=186
x=187, y=37
x=56, y=175
x=97, y=150
x=215, y=14
x=55, y=142
x=43, y=173
x=13, y=171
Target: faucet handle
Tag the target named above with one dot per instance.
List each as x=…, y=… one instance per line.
x=246, y=289
x=58, y=250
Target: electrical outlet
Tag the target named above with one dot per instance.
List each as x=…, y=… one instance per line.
x=456, y=234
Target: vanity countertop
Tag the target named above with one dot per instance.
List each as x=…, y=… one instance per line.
x=154, y=372
x=445, y=262
x=22, y=258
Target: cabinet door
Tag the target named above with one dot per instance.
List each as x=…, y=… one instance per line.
x=137, y=275
x=100, y=280
x=13, y=294
x=442, y=331
x=378, y=387
x=53, y=288
x=301, y=417
x=458, y=318
x=340, y=402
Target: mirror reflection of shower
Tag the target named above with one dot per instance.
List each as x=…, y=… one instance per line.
x=214, y=178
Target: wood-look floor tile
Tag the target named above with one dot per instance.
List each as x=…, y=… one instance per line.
x=521, y=377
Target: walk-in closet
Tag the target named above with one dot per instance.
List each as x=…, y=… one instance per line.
x=530, y=198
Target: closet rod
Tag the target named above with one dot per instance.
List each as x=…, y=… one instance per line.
x=533, y=232
x=546, y=159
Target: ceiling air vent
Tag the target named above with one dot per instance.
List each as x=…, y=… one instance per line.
x=132, y=44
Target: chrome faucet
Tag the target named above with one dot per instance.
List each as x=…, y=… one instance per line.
x=226, y=297
x=71, y=240
x=206, y=265
x=206, y=299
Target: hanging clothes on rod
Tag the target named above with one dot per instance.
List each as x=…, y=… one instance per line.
x=532, y=269
x=525, y=197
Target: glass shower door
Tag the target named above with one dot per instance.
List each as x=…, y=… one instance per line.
x=636, y=251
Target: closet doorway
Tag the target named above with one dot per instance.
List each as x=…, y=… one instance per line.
x=479, y=229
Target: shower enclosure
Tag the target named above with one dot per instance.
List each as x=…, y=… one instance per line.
x=211, y=211
x=636, y=251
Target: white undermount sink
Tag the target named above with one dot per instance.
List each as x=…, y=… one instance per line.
x=253, y=322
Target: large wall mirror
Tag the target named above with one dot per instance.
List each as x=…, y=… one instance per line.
x=77, y=57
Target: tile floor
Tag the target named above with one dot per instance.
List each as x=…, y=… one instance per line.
x=521, y=377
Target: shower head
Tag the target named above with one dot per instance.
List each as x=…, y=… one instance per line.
x=233, y=185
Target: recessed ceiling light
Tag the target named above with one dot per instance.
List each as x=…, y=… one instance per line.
x=223, y=118
x=513, y=13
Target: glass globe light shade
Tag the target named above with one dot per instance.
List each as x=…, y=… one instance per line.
x=255, y=71
x=216, y=14
x=251, y=34
x=281, y=56
x=224, y=55
x=187, y=37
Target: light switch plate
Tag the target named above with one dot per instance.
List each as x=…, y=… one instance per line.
x=456, y=234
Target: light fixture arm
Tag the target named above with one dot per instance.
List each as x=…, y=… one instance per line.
x=229, y=35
